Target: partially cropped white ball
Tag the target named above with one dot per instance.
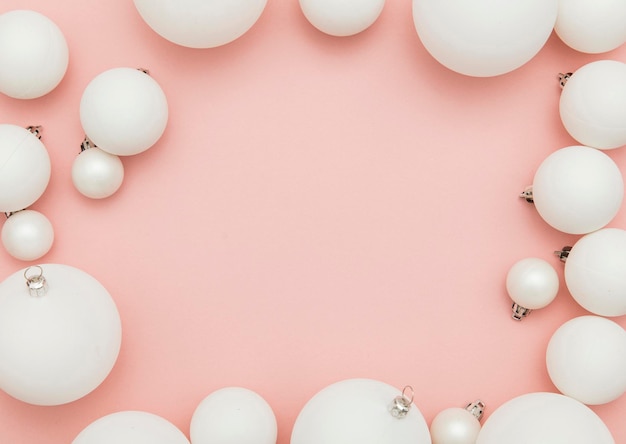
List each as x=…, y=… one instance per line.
x=123, y=111
x=97, y=174
x=27, y=235
x=532, y=282
x=578, y=189
x=484, y=38
x=33, y=54
x=586, y=359
x=200, y=23
x=454, y=426
x=342, y=18
x=593, y=104
x=592, y=26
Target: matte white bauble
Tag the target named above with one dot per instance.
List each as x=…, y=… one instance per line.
x=24, y=168
x=131, y=427
x=233, y=415
x=123, y=111
x=586, y=360
x=342, y=18
x=544, y=418
x=357, y=411
x=578, y=189
x=33, y=54
x=27, y=235
x=454, y=426
x=532, y=282
x=484, y=38
x=593, y=104
x=592, y=26
x=595, y=272
x=97, y=174
x=57, y=342
x=200, y=23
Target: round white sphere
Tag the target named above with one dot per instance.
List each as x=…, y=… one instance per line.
x=592, y=26
x=593, y=104
x=200, y=23
x=532, y=283
x=342, y=18
x=544, y=418
x=58, y=347
x=27, y=235
x=586, y=360
x=578, y=189
x=131, y=427
x=97, y=174
x=123, y=111
x=454, y=426
x=24, y=168
x=357, y=411
x=595, y=272
x=233, y=415
x=484, y=38
x=33, y=54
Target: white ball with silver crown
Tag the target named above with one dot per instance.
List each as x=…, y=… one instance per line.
x=27, y=235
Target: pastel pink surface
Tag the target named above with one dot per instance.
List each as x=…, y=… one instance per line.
x=319, y=208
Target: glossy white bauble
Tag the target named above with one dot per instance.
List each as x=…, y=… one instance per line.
x=200, y=23
x=97, y=174
x=123, y=111
x=33, y=54
x=27, y=235
x=342, y=18
x=593, y=104
x=578, y=189
x=454, y=426
x=586, y=360
x=484, y=38
x=532, y=282
x=58, y=347
x=24, y=168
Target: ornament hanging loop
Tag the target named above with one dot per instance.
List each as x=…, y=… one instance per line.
x=35, y=281
x=476, y=408
x=519, y=312
x=402, y=403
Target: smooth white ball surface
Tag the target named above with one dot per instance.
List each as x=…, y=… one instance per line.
x=200, y=23
x=357, y=411
x=454, y=426
x=131, y=427
x=586, y=360
x=546, y=418
x=532, y=283
x=233, y=415
x=593, y=104
x=592, y=26
x=58, y=347
x=578, y=189
x=484, y=38
x=342, y=18
x=123, y=111
x=27, y=235
x=97, y=174
x=24, y=168
x=33, y=54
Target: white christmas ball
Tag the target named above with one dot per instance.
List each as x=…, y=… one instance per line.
x=586, y=360
x=578, y=189
x=27, y=235
x=593, y=104
x=96, y=173
x=123, y=111
x=200, y=23
x=532, y=283
x=342, y=18
x=454, y=426
x=233, y=415
x=546, y=418
x=484, y=38
x=592, y=26
x=24, y=168
x=131, y=427
x=33, y=54
x=357, y=411
x=57, y=347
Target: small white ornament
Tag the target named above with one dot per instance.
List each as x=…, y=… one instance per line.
x=531, y=283
x=96, y=173
x=456, y=425
x=342, y=18
x=27, y=235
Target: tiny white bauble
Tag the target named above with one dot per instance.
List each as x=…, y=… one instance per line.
x=96, y=173
x=342, y=18
x=233, y=415
x=532, y=283
x=27, y=235
x=454, y=426
x=33, y=54
x=123, y=111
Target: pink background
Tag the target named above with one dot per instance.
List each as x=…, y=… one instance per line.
x=318, y=208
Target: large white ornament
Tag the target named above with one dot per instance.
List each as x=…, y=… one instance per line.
x=547, y=418
x=200, y=23
x=456, y=425
x=59, y=335
x=586, y=360
x=96, y=173
x=532, y=283
x=27, y=235
x=484, y=38
x=33, y=54
x=342, y=18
